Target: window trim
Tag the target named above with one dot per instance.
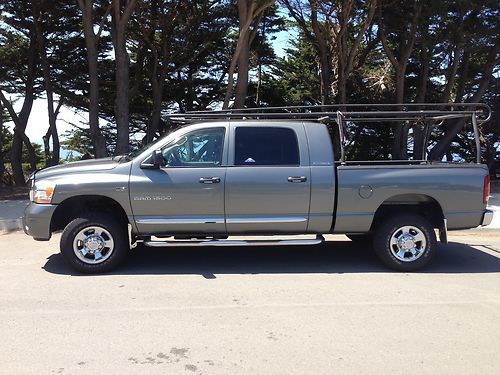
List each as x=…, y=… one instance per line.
x=266, y=165
x=224, y=145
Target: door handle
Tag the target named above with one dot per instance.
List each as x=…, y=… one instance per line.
x=209, y=180
x=297, y=179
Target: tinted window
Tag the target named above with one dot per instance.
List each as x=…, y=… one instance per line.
x=200, y=148
x=266, y=146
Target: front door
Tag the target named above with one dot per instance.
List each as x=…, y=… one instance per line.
x=187, y=195
x=268, y=182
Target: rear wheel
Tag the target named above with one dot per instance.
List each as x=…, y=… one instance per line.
x=94, y=244
x=405, y=242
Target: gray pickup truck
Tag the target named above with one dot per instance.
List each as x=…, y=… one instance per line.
x=214, y=179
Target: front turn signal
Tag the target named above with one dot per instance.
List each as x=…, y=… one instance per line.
x=43, y=191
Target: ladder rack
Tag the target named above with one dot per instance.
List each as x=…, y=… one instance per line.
x=430, y=114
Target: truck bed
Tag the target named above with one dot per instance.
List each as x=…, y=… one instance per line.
x=364, y=187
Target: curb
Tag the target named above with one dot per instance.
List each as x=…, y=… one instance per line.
x=11, y=225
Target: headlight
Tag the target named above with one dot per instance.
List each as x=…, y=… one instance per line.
x=42, y=191
x=31, y=185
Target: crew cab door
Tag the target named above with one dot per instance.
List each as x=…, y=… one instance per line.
x=268, y=182
x=187, y=194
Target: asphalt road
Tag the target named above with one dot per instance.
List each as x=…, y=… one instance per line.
x=302, y=310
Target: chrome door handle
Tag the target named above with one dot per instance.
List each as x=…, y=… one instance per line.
x=297, y=179
x=209, y=180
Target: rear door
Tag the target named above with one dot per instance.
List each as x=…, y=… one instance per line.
x=268, y=182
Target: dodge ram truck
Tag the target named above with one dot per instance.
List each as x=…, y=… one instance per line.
x=211, y=180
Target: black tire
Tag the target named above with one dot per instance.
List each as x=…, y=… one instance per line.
x=113, y=227
x=389, y=254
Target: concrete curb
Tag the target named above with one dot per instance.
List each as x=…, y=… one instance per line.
x=11, y=225
x=11, y=213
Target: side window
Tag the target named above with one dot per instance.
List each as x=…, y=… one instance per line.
x=200, y=148
x=266, y=146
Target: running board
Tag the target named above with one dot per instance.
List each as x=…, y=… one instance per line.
x=299, y=242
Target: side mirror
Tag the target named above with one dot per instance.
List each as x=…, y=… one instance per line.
x=155, y=161
x=158, y=159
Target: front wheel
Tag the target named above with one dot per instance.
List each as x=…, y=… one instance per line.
x=94, y=244
x=405, y=242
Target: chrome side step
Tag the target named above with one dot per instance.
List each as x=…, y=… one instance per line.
x=298, y=242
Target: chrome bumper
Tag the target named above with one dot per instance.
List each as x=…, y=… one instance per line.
x=487, y=217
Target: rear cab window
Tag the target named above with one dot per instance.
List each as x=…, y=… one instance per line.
x=275, y=146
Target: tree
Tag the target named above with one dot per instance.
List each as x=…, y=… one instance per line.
x=250, y=13
x=478, y=52
x=122, y=10
x=305, y=14
x=18, y=68
x=179, y=37
x=397, y=27
x=293, y=79
x=337, y=30
x=92, y=45
x=38, y=18
x=3, y=141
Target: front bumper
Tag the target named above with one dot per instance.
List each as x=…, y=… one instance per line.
x=36, y=220
x=487, y=217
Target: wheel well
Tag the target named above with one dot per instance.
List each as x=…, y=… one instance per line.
x=74, y=207
x=419, y=204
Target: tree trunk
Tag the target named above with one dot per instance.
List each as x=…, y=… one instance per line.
x=46, y=147
x=155, y=115
x=242, y=83
x=451, y=74
x=118, y=33
x=419, y=129
x=399, y=146
x=399, y=63
x=122, y=93
x=157, y=87
x=2, y=152
x=342, y=83
x=91, y=44
x=21, y=120
x=51, y=158
x=248, y=12
x=98, y=140
x=191, y=92
x=16, y=153
x=259, y=81
x=322, y=48
x=464, y=76
x=16, y=156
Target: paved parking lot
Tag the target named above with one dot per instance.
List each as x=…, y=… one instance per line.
x=301, y=310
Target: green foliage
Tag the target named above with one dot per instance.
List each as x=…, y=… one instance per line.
x=295, y=77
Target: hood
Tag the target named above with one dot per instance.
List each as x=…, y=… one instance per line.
x=84, y=166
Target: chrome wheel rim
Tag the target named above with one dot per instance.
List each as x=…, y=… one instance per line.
x=93, y=245
x=408, y=243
